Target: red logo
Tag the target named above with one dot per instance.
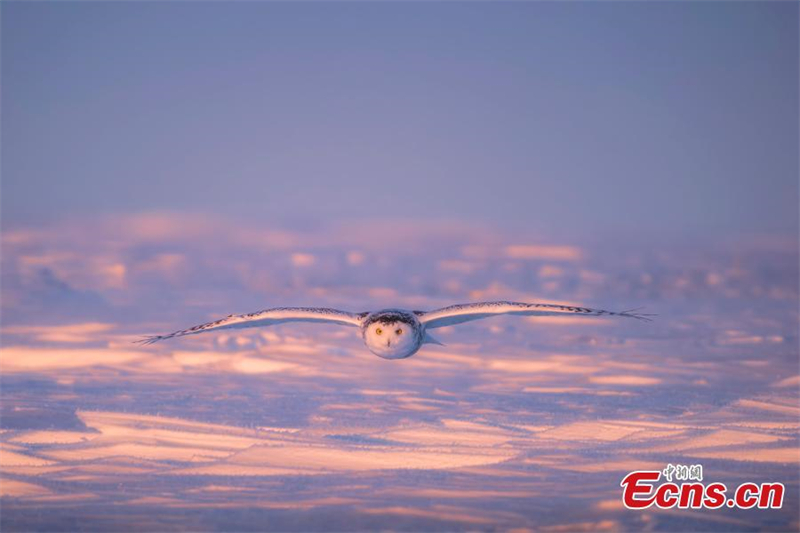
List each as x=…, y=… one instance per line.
x=640, y=491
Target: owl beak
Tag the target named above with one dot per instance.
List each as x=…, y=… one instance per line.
x=389, y=343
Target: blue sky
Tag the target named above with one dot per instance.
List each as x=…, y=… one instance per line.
x=576, y=118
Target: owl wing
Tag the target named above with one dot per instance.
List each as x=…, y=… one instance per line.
x=268, y=317
x=456, y=314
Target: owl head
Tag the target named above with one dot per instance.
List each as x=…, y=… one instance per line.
x=392, y=335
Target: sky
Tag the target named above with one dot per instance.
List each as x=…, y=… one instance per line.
x=166, y=164
x=579, y=119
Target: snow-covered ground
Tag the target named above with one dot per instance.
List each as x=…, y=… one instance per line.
x=514, y=423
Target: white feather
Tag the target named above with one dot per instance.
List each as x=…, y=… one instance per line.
x=457, y=314
x=268, y=317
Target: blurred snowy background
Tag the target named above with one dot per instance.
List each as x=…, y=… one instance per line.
x=165, y=164
x=514, y=423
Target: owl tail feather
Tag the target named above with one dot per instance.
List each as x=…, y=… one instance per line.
x=430, y=340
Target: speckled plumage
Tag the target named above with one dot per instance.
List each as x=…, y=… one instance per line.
x=408, y=329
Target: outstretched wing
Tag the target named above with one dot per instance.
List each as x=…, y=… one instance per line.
x=268, y=317
x=456, y=314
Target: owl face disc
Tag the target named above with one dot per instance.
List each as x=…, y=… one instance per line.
x=392, y=333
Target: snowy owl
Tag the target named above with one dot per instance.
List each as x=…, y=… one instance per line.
x=392, y=333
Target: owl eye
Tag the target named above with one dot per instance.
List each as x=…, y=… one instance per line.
x=398, y=331
x=379, y=331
